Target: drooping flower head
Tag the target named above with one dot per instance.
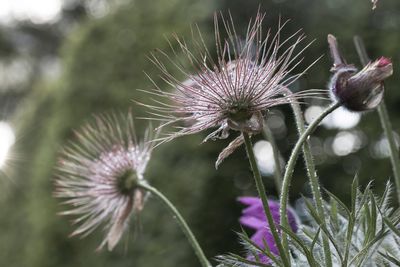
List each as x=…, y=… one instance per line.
x=98, y=176
x=233, y=92
x=358, y=90
x=253, y=216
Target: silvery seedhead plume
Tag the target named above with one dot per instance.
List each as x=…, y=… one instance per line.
x=98, y=176
x=232, y=92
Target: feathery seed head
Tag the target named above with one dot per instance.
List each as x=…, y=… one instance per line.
x=98, y=176
x=234, y=91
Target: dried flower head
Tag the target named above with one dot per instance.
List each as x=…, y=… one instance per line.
x=98, y=175
x=232, y=93
x=358, y=90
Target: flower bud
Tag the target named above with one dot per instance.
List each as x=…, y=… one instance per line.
x=358, y=90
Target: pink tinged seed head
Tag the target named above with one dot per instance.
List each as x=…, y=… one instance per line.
x=233, y=91
x=98, y=176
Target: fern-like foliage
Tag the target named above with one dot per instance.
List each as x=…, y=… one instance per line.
x=366, y=234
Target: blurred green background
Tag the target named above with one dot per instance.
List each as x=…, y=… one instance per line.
x=82, y=57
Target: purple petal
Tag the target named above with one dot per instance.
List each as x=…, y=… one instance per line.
x=255, y=209
x=260, y=238
x=253, y=222
x=249, y=200
x=265, y=236
x=253, y=216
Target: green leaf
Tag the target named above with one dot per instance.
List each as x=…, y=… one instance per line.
x=257, y=249
x=320, y=221
x=390, y=258
x=303, y=247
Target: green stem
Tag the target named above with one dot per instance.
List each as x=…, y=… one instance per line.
x=277, y=171
x=182, y=223
x=284, y=254
x=312, y=175
x=291, y=164
x=385, y=120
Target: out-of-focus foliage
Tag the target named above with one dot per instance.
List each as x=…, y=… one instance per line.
x=103, y=62
x=363, y=234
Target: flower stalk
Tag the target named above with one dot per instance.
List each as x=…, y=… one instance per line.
x=181, y=222
x=312, y=174
x=261, y=192
x=385, y=120
x=291, y=164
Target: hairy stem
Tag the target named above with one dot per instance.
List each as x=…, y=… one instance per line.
x=385, y=121
x=181, y=222
x=278, y=170
x=284, y=254
x=312, y=175
x=291, y=164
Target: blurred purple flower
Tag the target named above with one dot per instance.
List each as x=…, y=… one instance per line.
x=253, y=216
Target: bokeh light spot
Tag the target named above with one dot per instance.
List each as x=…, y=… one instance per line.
x=265, y=157
x=7, y=139
x=341, y=118
x=43, y=11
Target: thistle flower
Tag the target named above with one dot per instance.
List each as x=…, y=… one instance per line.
x=233, y=92
x=254, y=217
x=358, y=90
x=99, y=173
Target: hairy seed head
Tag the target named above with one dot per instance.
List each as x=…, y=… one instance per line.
x=233, y=91
x=98, y=176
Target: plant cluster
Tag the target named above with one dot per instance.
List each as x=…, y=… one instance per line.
x=101, y=175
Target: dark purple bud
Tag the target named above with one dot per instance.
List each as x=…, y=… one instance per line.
x=358, y=90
